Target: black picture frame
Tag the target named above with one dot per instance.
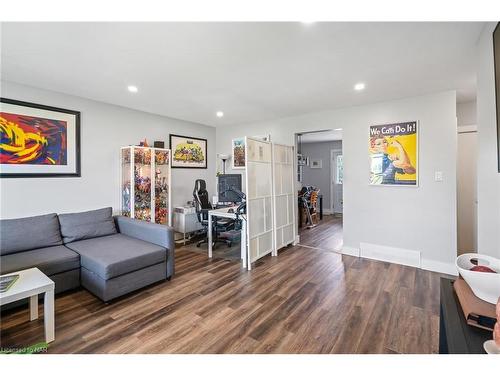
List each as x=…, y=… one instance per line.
x=188, y=137
x=496, y=63
x=77, y=115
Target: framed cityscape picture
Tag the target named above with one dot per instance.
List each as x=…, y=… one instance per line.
x=38, y=141
x=238, y=146
x=188, y=152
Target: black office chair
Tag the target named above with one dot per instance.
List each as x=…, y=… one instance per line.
x=202, y=206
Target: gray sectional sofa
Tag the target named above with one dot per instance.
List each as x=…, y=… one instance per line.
x=109, y=256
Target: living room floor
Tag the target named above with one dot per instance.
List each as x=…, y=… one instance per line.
x=303, y=301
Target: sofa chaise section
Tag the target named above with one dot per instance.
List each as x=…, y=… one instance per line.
x=117, y=264
x=118, y=255
x=157, y=234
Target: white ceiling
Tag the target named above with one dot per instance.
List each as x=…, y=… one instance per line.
x=251, y=71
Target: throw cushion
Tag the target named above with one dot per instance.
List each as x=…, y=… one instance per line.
x=29, y=233
x=85, y=225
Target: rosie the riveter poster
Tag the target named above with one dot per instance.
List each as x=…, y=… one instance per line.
x=393, y=152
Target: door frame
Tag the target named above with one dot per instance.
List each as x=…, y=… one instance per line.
x=469, y=129
x=333, y=175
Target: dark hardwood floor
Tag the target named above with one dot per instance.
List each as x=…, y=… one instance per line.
x=326, y=235
x=303, y=301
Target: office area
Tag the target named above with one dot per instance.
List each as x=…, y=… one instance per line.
x=225, y=213
x=246, y=226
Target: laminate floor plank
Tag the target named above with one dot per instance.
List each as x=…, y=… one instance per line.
x=309, y=299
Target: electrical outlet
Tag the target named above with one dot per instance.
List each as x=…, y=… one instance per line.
x=438, y=176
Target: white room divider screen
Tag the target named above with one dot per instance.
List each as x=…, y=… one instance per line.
x=284, y=196
x=259, y=194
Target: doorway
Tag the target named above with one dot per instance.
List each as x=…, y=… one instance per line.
x=467, y=190
x=320, y=170
x=337, y=177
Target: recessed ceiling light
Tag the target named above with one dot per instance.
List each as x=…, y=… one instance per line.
x=219, y=114
x=359, y=86
x=133, y=89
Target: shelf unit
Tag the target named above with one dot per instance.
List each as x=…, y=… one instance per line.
x=146, y=184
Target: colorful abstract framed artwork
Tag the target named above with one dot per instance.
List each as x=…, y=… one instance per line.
x=188, y=152
x=238, y=146
x=38, y=140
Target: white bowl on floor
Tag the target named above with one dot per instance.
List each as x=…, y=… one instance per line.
x=490, y=347
x=484, y=285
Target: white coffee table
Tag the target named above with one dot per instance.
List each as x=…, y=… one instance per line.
x=31, y=283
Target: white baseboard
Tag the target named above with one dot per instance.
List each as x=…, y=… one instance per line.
x=347, y=250
x=390, y=254
x=396, y=255
x=441, y=267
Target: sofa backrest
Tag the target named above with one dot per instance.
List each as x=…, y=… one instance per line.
x=89, y=224
x=29, y=233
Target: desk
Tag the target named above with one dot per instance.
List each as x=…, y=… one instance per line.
x=223, y=212
x=455, y=335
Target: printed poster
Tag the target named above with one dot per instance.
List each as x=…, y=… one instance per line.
x=393, y=150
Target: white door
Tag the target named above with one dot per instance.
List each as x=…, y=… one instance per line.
x=466, y=191
x=259, y=191
x=337, y=175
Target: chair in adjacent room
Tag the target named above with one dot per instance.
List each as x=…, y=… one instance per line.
x=202, y=206
x=308, y=204
x=314, y=207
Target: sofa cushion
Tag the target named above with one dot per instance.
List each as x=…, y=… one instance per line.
x=49, y=260
x=29, y=233
x=89, y=224
x=116, y=255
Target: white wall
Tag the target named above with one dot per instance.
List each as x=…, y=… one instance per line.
x=467, y=113
x=488, y=176
x=422, y=218
x=104, y=129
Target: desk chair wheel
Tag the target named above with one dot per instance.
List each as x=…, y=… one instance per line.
x=199, y=243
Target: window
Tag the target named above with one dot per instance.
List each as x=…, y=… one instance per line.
x=339, y=175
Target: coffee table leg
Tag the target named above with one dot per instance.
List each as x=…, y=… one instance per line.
x=34, y=307
x=48, y=310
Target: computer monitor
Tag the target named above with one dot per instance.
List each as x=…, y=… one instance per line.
x=226, y=182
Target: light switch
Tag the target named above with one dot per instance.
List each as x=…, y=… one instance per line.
x=438, y=176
